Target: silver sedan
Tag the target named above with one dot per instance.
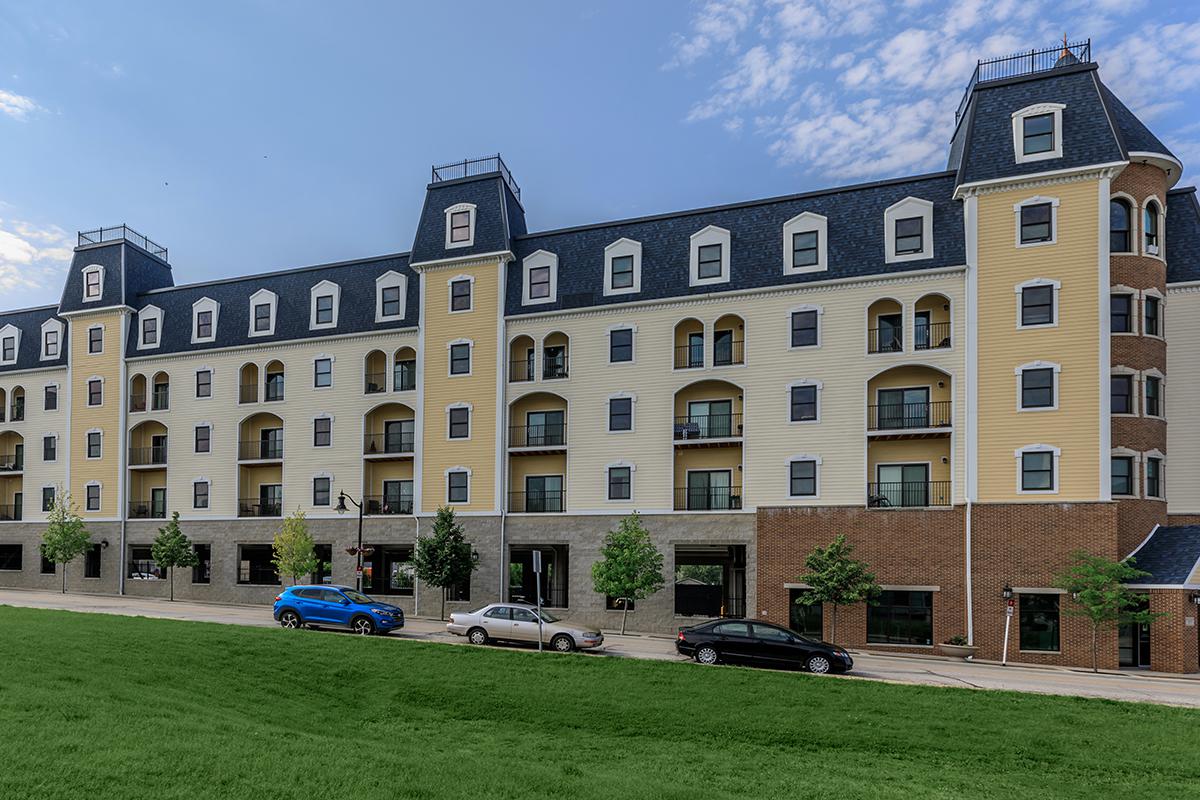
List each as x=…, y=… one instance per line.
x=515, y=622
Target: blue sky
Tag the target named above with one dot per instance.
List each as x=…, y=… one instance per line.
x=263, y=135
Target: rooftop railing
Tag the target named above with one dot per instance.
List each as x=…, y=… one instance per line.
x=1031, y=62
x=470, y=167
x=122, y=233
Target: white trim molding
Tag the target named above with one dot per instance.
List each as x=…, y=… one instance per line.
x=449, y=213
x=537, y=260
x=1018, y=132
x=391, y=280
x=145, y=314
x=908, y=208
x=1037, y=283
x=58, y=327
x=1034, y=365
x=13, y=332
x=1020, y=453
x=704, y=237
x=325, y=288
x=623, y=248
x=818, y=385
x=816, y=460
x=1036, y=200
x=206, y=304
x=89, y=270
x=263, y=297
x=806, y=222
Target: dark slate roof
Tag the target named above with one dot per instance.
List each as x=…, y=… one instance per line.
x=1137, y=136
x=108, y=256
x=855, y=242
x=1183, y=235
x=1088, y=135
x=356, y=312
x=497, y=216
x=29, y=353
x=1170, y=555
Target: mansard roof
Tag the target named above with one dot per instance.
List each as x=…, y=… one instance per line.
x=29, y=350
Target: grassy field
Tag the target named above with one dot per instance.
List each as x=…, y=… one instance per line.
x=95, y=706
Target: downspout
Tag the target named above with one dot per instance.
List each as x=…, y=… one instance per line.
x=970, y=223
x=122, y=443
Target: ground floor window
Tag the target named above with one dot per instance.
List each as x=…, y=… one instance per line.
x=459, y=592
x=10, y=556
x=805, y=619
x=324, y=554
x=710, y=580
x=91, y=562
x=523, y=586
x=202, y=572
x=142, y=566
x=1039, y=622
x=901, y=617
x=254, y=565
x=48, y=566
x=388, y=569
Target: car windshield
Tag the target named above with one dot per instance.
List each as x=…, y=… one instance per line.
x=357, y=597
x=548, y=617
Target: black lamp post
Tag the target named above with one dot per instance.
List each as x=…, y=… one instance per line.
x=358, y=551
x=1195, y=598
x=1006, y=592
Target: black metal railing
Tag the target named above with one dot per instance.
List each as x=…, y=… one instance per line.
x=554, y=368
x=389, y=443
x=689, y=357
x=909, y=416
x=273, y=391
x=1027, y=63
x=933, y=336
x=160, y=399
x=247, y=393
x=520, y=370
x=116, y=234
x=549, y=435
x=255, y=507
x=727, y=354
x=143, y=456
x=544, y=502
x=259, y=449
x=404, y=378
x=470, y=167
x=18, y=413
x=908, y=494
x=11, y=462
x=711, y=426
x=381, y=504
x=375, y=382
x=10, y=513
x=885, y=340
x=708, y=498
x=140, y=509
x=137, y=401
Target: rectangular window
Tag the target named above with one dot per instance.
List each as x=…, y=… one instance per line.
x=254, y=565
x=93, y=497
x=49, y=448
x=1154, y=477
x=322, y=432
x=203, y=439
x=95, y=389
x=456, y=487
x=1037, y=472
x=47, y=498
x=1037, y=388
x=622, y=272
x=460, y=359
x=1121, y=394
x=8, y=349
x=804, y=328
x=1153, y=396
x=709, y=261
x=1150, y=317
x=93, y=445
x=620, y=345
x=804, y=249
x=620, y=414
x=200, y=494
x=50, y=346
x=204, y=383
x=1122, y=475
x=321, y=491
x=10, y=557
x=802, y=479
x=50, y=398
x=391, y=301
x=901, y=617
x=325, y=309
x=460, y=226
x=1039, y=622
x=619, y=483
x=1121, y=313
x=91, y=284
x=804, y=403
x=910, y=235
x=202, y=572
x=323, y=373
x=460, y=295
x=150, y=331
x=1035, y=223
x=95, y=340
x=204, y=324
x=262, y=317
x=91, y=562
x=460, y=423
x=1037, y=305
x=539, y=283
x=1037, y=134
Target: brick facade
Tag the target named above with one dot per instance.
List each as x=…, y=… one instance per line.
x=1179, y=650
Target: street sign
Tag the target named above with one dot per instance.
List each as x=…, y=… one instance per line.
x=537, y=582
x=537, y=561
x=1009, y=610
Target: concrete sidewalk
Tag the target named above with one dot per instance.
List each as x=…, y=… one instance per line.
x=927, y=670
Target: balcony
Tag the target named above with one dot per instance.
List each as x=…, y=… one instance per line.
x=908, y=494
x=389, y=445
x=708, y=430
x=520, y=370
x=544, y=502
x=554, y=369
x=689, y=357
x=10, y=513
x=375, y=383
x=910, y=420
x=260, y=450
x=934, y=336
x=708, y=498
x=728, y=353
x=1025, y=63
x=255, y=507
x=137, y=402
x=122, y=233
x=153, y=456
x=377, y=504
x=247, y=393
x=885, y=340
x=476, y=166
x=10, y=462
x=144, y=509
x=536, y=439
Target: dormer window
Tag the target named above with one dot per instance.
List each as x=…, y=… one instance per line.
x=623, y=267
x=52, y=337
x=390, y=296
x=804, y=244
x=204, y=320
x=460, y=225
x=1037, y=132
x=203, y=324
x=10, y=342
x=262, y=317
x=324, y=299
x=540, y=278
x=709, y=262
x=149, y=327
x=908, y=230
x=149, y=332
x=93, y=282
x=909, y=235
x=262, y=313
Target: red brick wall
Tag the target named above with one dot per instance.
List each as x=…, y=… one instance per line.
x=1173, y=642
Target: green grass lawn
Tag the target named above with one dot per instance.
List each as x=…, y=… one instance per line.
x=96, y=706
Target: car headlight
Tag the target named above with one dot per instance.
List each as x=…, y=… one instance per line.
x=591, y=634
x=383, y=612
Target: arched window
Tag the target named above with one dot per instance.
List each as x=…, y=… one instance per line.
x=1150, y=226
x=1120, y=218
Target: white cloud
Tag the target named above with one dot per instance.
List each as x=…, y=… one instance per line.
x=32, y=256
x=717, y=24
x=17, y=106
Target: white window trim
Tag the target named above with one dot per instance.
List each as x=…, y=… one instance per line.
x=46, y=436
x=1135, y=309
x=446, y=483
x=388, y=280
x=904, y=209
x=608, y=332
x=87, y=391
x=701, y=238
x=1020, y=371
x=1153, y=372
x=1160, y=252
x=1036, y=283
x=1039, y=448
x=87, y=342
x=93, y=268
x=323, y=475
x=607, y=483
x=1136, y=475
x=820, y=328
x=57, y=398
x=207, y=483
x=1037, y=199
x=632, y=398
x=1135, y=215
x=806, y=222
x=535, y=260
x=257, y=299
x=323, y=289
x=788, y=398
x=149, y=312
x=1162, y=313
x=1136, y=391
x=322, y=415
x=86, y=437
x=470, y=358
x=212, y=383
x=470, y=407
x=454, y=209
x=619, y=249
x=332, y=360
x=59, y=328
x=15, y=333
x=99, y=496
x=1162, y=469
x=450, y=294
x=1018, y=132
x=208, y=304
x=816, y=477
x=196, y=427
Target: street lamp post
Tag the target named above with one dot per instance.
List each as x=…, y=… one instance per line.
x=358, y=551
x=1007, y=594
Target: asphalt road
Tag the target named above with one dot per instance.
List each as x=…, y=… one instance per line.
x=1138, y=687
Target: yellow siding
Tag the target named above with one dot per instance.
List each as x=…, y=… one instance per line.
x=912, y=451
x=105, y=417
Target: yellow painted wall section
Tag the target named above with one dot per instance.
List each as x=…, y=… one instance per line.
x=703, y=458
x=441, y=327
x=1074, y=344
x=912, y=451
x=380, y=471
x=522, y=466
x=105, y=417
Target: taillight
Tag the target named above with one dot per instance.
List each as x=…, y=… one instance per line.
x=681, y=636
x=278, y=597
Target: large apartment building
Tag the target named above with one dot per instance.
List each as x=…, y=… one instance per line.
x=965, y=372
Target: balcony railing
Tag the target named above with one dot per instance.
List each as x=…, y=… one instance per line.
x=160, y=400
x=247, y=393
x=389, y=443
x=909, y=416
x=118, y=233
x=908, y=494
x=520, y=370
x=714, y=426
x=708, y=498
x=1028, y=63
x=689, y=357
x=259, y=450
x=273, y=391
x=375, y=382
x=885, y=340
x=405, y=378
x=727, y=354
x=146, y=456
x=18, y=413
x=554, y=368
x=11, y=462
x=545, y=502
x=139, y=509
x=10, y=513
x=933, y=336
x=469, y=167
x=255, y=507
x=380, y=504
x=550, y=435
x=137, y=401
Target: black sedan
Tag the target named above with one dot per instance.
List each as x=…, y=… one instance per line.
x=739, y=641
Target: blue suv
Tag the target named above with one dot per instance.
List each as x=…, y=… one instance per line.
x=335, y=606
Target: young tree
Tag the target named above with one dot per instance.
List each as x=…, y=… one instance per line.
x=630, y=566
x=1097, y=585
x=445, y=557
x=66, y=536
x=835, y=579
x=171, y=549
x=295, y=553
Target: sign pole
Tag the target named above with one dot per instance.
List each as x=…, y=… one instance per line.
x=537, y=581
x=1008, y=615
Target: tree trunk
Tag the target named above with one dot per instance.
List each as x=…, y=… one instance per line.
x=443, y=602
x=833, y=626
x=624, y=614
x=1095, y=668
x=172, y=571
x=64, y=577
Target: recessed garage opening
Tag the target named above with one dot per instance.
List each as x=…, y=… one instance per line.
x=710, y=580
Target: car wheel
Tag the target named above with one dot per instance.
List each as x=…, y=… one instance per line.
x=563, y=643
x=290, y=619
x=363, y=626
x=707, y=654
x=818, y=664
x=477, y=636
